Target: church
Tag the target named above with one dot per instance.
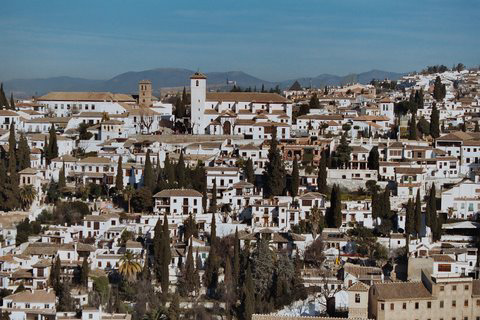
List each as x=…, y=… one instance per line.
x=251, y=114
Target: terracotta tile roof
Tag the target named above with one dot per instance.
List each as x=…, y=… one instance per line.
x=177, y=193
x=321, y=117
x=359, y=286
x=96, y=160
x=442, y=258
x=35, y=296
x=401, y=291
x=86, y=96
x=246, y=97
x=407, y=170
x=476, y=288
x=8, y=113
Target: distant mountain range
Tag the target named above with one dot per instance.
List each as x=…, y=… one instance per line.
x=176, y=77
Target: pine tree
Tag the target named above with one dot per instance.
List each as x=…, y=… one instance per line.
x=248, y=302
x=322, y=174
x=148, y=176
x=373, y=159
x=119, y=176
x=213, y=202
x=343, y=152
x=52, y=145
x=274, y=175
x=248, y=171
x=435, y=122
x=334, y=213
x=295, y=179
x=62, y=183
x=410, y=218
x=418, y=214
x=412, y=128
x=166, y=256
x=84, y=273
x=180, y=171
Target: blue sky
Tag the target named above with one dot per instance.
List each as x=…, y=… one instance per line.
x=274, y=40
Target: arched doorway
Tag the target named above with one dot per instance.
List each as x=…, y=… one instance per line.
x=227, y=128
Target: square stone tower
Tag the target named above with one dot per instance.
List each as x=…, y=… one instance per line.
x=198, y=90
x=145, y=93
x=358, y=301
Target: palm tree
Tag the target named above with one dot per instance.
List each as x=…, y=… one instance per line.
x=128, y=195
x=27, y=195
x=129, y=266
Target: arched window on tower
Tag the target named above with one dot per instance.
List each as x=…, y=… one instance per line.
x=196, y=83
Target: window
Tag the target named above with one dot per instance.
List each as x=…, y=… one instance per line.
x=454, y=303
x=465, y=303
x=441, y=304
x=429, y=304
x=27, y=305
x=416, y=305
x=357, y=297
x=392, y=306
x=454, y=287
x=382, y=306
x=442, y=288
x=404, y=307
x=90, y=316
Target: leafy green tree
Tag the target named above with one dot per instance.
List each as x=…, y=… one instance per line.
x=334, y=213
x=435, y=122
x=423, y=126
x=343, y=152
x=274, y=175
x=119, y=176
x=295, y=182
x=373, y=159
x=142, y=200
x=322, y=174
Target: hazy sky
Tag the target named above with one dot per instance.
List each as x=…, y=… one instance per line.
x=273, y=40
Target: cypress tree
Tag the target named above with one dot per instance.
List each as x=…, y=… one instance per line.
x=295, y=179
x=435, y=122
x=213, y=203
x=23, y=153
x=213, y=231
x=189, y=272
x=169, y=170
x=248, y=171
x=3, y=98
x=236, y=258
x=148, y=176
x=166, y=256
x=45, y=150
x=61, y=177
x=119, y=176
x=13, y=179
x=412, y=128
x=418, y=214
x=322, y=174
x=334, y=214
x=12, y=102
x=410, y=218
x=373, y=159
x=274, y=175
x=52, y=145
x=248, y=302
x=84, y=274
x=180, y=171
x=157, y=249
x=431, y=207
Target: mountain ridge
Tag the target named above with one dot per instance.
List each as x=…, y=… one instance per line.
x=127, y=82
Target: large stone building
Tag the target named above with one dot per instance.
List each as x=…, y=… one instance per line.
x=252, y=114
x=433, y=298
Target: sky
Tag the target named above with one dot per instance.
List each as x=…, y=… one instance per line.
x=273, y=40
